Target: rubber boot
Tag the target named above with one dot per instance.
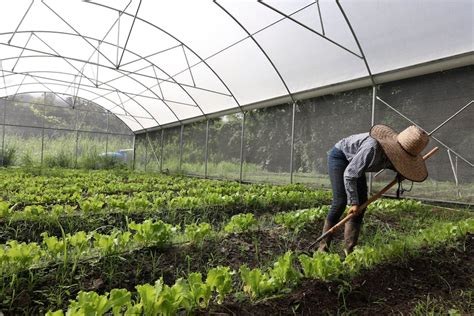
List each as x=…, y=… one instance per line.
x=351, y=235
x=324, y=244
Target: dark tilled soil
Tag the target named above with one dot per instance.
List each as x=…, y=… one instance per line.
x=255, y=249
x=392, y=288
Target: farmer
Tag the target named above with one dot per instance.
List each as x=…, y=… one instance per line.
x=352, y=157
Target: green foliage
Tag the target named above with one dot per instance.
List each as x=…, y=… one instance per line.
x=220, y=279
x=282, y=275
x=391, y=205
x=162, y=299
x=295, y=220
x=8, y=157
x=16, y=256
x=199, y=292
x=197, y=232
x=5, y=210
x=115, y=242
x=323, y=266
x=60, y=160
x=91, y=303
x=92, y=205
x=153, y=232
x=241, y=223
x=54, y=246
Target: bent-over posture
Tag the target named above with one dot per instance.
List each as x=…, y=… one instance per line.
x=352, y=157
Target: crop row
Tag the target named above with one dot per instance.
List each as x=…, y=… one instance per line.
x=256, y=198
x=193, y=292
x=15, y=256
x=20, y=189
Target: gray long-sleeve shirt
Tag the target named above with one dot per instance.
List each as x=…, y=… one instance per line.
x=364, y=154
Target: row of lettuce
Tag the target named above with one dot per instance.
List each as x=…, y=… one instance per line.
x=16, y=257
x=288, y=271
x=176, y=193
x=74, y=186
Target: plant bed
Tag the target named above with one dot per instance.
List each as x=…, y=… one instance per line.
x=395, y=287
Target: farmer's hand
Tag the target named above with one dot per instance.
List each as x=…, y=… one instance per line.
x=353, y=209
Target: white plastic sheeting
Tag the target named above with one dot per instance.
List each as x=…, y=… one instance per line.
x=158, y=62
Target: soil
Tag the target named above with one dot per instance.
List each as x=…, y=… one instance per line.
x=255, y=249
x=373, y=291
x=392, y=288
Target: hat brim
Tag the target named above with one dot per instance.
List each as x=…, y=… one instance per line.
x=410, y=167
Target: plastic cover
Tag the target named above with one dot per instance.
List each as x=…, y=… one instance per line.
x=157, y=62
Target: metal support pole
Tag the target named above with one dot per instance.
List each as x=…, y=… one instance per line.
x=206, y=155
x=181, y=148
x=161, y=149
x=454, y=169
x=42, y=128
x=451, y=117
x=292, y=144
x=146, y=150
x=3, y=129
x=76, y=125
x=242, y=139
x=134, y=146
x=372, y=123
x=107, y=136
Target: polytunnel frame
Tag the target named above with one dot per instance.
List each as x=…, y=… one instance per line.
x=239, y=107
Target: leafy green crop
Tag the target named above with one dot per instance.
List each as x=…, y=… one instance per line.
x=115, y=242
x=197, y=232
x=91, y=303
x=282, y=275
x=220, y=279
x=241, y=223
x=153, y=233
x=295, y=220
x=324, y=266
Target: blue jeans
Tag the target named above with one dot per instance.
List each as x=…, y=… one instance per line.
x=337, y=163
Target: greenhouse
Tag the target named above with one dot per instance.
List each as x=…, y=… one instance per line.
x=180, y=157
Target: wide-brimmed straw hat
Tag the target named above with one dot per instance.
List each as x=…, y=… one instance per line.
x=404, y=149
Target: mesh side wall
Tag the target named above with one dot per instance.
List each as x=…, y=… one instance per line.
x=194, y=148
x=26, y=143
x=59, y=148
x=171, y=149
x=268, y=144
x=322, y=122
x=224, y=147
x=90, y=146
x=141, y=153
x=428, y=101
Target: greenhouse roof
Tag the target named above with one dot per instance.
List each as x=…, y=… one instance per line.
x=154, y=63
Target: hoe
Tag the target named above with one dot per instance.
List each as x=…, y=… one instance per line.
x=370, y=200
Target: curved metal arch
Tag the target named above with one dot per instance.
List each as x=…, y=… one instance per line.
x=122, y=72
x=92, y=92
x=175, y=38
x=111, y=89
x=27, y=74
x=260, y=47
x=108, y=67
x=357, y=42
x=70, y=95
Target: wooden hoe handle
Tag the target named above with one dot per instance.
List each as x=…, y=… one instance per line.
x=370, y=200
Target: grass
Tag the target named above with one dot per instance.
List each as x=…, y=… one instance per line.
x=60, y=150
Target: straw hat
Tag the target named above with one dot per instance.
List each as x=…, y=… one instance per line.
x=404, y=149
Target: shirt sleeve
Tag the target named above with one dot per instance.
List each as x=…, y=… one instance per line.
x=356, y=168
